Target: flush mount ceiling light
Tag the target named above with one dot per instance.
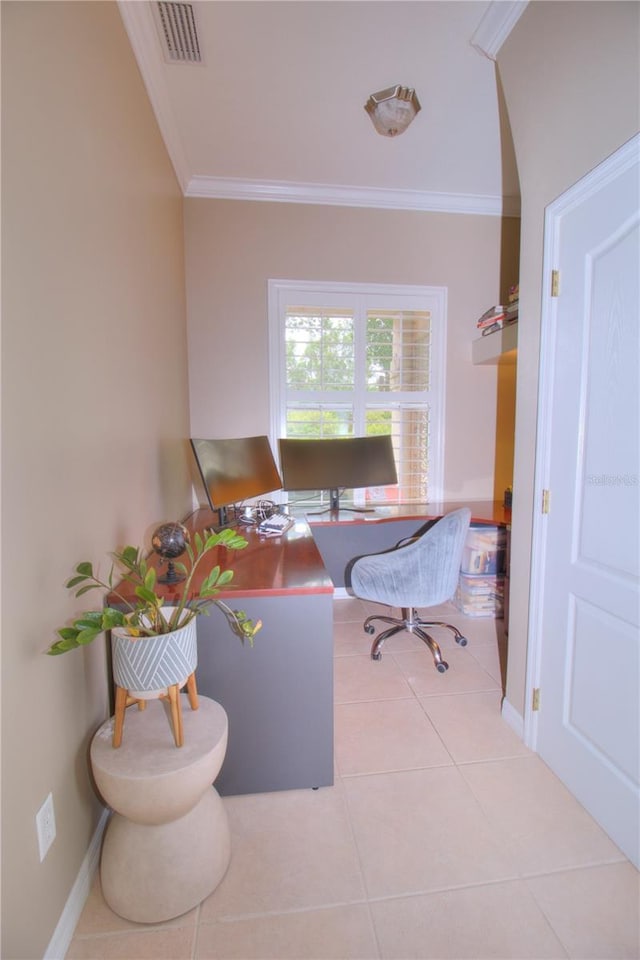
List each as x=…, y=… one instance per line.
x=392, y=110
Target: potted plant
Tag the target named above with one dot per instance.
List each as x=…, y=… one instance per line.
x=154, y=649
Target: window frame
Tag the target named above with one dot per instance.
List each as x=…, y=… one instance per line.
x=283, y=293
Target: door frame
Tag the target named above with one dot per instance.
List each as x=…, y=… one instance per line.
x=591, y=183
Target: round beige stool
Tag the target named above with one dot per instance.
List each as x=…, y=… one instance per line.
x=167, y=844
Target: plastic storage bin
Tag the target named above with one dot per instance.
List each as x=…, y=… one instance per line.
x=485, y=550
x=480, y=596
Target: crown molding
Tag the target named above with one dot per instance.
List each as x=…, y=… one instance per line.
x=141, y=30
x=497, y=22
x=278, y=191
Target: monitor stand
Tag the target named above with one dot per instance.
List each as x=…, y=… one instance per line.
x=334, y=505
x=225, y=519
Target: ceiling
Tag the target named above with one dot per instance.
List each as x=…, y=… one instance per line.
x=275, y=109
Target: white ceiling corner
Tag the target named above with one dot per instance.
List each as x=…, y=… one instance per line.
x=141, y=29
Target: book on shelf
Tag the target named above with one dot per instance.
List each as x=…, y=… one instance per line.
x=498, y=312
x=499, y=324
x=489, y=322
x=497, y=315
x=491, y=314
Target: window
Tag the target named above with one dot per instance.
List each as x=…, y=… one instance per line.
x=356, y=360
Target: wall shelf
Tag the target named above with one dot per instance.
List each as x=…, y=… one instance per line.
x=497, y=347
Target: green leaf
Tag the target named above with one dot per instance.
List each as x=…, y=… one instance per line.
x=85, y=569
x=148, y=596
x=68, y=633
x=61, y=646
x=74, y=582
x=112, y=618
x=232, y=540
x=89, y=586
x=150, y=579
x=215, y=580
x=128, y=558
x=91, y=618
x=210, y=580
x=86, y=636
x=198, y=542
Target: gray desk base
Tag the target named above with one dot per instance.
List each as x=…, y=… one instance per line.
x=278, y=694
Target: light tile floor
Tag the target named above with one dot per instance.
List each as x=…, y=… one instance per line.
x=443, y=836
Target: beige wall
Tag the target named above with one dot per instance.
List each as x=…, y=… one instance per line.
x=94, y=402
x=233, y=248
x=570, y=73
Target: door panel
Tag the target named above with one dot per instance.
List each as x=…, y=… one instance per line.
x=611, y=411
x=599, y=704
x=588, y=726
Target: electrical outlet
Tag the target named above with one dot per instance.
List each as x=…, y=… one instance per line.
x=46, y=826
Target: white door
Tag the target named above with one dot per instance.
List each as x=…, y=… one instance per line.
x=585, y=586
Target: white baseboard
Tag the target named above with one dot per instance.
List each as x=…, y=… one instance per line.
x=63, y=934
x=511, y=716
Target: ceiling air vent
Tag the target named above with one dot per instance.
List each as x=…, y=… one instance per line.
x=178, y=25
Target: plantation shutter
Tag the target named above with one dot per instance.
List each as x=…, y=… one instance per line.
x=355, y=364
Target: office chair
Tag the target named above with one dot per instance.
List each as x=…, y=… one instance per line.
x=422, y=572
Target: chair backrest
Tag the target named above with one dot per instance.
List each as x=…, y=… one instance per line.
x=422, y=573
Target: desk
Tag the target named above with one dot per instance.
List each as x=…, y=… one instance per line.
x=278, y=695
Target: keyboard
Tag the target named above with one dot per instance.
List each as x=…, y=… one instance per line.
x=275, y=525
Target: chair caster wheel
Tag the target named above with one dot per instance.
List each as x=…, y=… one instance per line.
x=462, y=641
x=370, y=629
x=442, y=667
x=376, y=656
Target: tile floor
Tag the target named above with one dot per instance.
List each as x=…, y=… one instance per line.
x=443, y=837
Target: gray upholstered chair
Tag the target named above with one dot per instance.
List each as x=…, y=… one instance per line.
x=422, y=572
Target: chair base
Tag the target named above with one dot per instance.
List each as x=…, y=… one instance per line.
x=412, y=623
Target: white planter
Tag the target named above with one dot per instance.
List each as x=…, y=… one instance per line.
x=147, y=666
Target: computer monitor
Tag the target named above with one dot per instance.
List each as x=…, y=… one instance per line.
x=234, y=470
x=336, y=464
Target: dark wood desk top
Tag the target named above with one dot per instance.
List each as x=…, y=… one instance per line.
x=289, y=564
x=292, y=564
x=482, y=511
